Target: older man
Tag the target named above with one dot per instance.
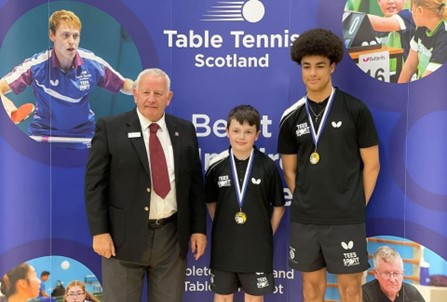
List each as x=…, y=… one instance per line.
x=388, y=285
x=141, y=219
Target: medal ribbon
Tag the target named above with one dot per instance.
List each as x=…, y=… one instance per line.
x=316, y=135
x=241, y=193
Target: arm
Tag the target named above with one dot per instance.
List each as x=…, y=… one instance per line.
x=371, y=167
x=96, y=186
x=289, y=166
x=276, y=217
x=409, y=68
x=7, y=103
x=198, y=245
x=103, y=245
x=197, y=202
x=127, y=86
x=384, y=24
x=212, y=210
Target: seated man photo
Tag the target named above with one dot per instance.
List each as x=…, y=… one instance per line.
x=388, y=284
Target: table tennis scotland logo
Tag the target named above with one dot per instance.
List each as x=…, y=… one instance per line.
x=235, y=11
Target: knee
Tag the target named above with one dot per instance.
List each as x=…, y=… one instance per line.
x=351, y=293
x=313, y=291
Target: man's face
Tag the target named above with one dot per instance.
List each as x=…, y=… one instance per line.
x=390, y=277
x=391, y=7
x=151, y=96
x=66, y=41
x=316, y=73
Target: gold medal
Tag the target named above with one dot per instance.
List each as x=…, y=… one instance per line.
x=314, y=158
x=240, y=217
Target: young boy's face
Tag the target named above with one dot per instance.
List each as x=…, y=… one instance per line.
x=242, y=137
x=391, y=7
x=66, y=41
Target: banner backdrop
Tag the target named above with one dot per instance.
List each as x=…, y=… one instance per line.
x=218, y=54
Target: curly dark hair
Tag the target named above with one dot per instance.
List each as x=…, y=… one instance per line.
x=317, y=42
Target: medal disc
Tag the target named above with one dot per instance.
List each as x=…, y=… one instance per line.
x=240, y=217
x=314, y=158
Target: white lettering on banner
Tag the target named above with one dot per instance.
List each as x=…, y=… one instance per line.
x=232, y=60
x=204, y=284
x=193, y=40
x=240, y=39
x=197, y=271
x=202, y=123
x=284, y=40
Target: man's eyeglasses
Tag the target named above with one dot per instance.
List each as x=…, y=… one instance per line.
x=388, y=275
x=78, y=294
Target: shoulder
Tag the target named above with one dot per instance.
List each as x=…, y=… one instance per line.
x=409, y=288
x=264, y=158
x=349, y=101
x=216, y=160
x=86, y=54
x=289, y=112
x=89, y=57
x=172, y=119
x=128, y=116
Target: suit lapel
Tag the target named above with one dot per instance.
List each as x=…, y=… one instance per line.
x=133, y=125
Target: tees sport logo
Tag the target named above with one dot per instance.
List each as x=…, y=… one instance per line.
x=235, y=11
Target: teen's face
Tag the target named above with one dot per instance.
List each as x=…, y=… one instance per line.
x=390, y=277
x=66, y=41
x=316, y=73
x=391, y=7
x=242, y=136
x=33, y=283
x=152, y=96
x=75, y=293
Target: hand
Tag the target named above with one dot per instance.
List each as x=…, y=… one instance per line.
x=198, y=245
x=103, y=245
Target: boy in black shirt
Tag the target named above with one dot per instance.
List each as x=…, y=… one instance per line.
x=246, y=202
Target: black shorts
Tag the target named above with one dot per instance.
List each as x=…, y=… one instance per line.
x=341, y=249
x=255, y=284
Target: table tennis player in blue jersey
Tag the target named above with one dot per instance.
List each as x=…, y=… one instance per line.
x=61, y=79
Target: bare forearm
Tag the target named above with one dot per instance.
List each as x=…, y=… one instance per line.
x=369, y=181
x=278, y=212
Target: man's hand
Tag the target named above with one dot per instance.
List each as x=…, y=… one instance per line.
x=103, y=245
x=198, y=245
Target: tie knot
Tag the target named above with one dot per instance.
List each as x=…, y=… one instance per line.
x=153, y=127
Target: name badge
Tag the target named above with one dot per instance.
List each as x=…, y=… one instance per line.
x=133, y=134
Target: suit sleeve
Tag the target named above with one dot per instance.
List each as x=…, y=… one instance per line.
x=97, y=182
x=197, y=195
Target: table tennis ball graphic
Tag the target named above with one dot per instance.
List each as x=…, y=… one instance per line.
x=253, y=11
x=65, y=265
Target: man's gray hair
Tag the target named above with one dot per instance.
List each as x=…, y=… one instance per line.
x=156, y=72
x=387, y=254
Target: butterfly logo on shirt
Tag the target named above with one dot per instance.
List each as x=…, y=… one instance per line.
x=256, y=181
x=54, y=83
x=347, y=246
x=336, y=124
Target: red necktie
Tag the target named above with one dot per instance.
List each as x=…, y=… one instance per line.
x=159, y=169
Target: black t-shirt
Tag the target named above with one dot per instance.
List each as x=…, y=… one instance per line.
x=373, y=293
x=330, y=192
x=246, y=247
